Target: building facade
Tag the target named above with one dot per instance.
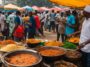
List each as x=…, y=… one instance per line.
x=4, y=2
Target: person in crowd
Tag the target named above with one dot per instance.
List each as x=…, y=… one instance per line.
x=81, y=19
x=77, y=23
x=38, y=24
x=6, y=28
x=11, y=23
x=2, y=22
x=85, y=38
x=61, y=28
x=32, y=26
x=18, y=19
x=39, y=14
x=18, y=32
x=57, y=17
x=70, y=24
x=46, y=19
x=42, y=21
x=26, y=25
x=52, y=21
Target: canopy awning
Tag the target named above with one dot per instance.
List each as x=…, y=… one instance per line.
x=11, y=6
x=86, y=1
x=28, y=8
x=44, y=8
x=35, y=8
x=56, y=9
x=70, y=3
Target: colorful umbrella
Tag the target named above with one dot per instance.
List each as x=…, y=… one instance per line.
x=35, y=8
x=11, y=6
x=28, y=8
x=56, y=9
x=44, y=8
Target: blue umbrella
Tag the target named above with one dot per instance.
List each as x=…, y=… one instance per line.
x=28, y=8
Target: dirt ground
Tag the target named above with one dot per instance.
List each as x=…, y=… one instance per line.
x=49, y=36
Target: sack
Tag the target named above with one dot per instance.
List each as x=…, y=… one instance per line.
x=19, y=32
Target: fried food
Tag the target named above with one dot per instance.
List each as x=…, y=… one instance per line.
x=5, y=42
x=11, y=47
x=74, y=40
x=53, y=43
x=33, y=41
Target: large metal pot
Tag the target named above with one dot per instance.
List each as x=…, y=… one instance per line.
x=70, y=57
x=33, y=52
x=52, y=58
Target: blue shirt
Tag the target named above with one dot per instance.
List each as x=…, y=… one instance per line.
x=71, y=21
x=32, y=28
x=52, y=16
x=17, y=20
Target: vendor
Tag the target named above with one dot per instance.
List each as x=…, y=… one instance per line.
x=70, y=23
x=85, y=38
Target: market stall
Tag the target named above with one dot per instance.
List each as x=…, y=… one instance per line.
x=43, y=53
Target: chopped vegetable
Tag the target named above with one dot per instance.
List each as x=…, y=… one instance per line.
x=69, y=45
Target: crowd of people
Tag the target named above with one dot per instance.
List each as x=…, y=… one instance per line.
x=18, y=26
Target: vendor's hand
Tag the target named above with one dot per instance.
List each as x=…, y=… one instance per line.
x=78, y=49
x=81, y=46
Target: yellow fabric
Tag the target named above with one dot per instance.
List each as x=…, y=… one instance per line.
x=11, y=6
x=71, y=3
x=86, y=1
x=26, y=19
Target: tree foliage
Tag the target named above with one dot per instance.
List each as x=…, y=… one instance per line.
x=34, y=2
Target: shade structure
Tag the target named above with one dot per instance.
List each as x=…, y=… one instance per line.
x=44, y=8
x=11, y=6
x=66, y=9
x=35, y=7
x=86, y=1
x=21, y=9
x=56, y=9
x=28, y=8
x=70, y=3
